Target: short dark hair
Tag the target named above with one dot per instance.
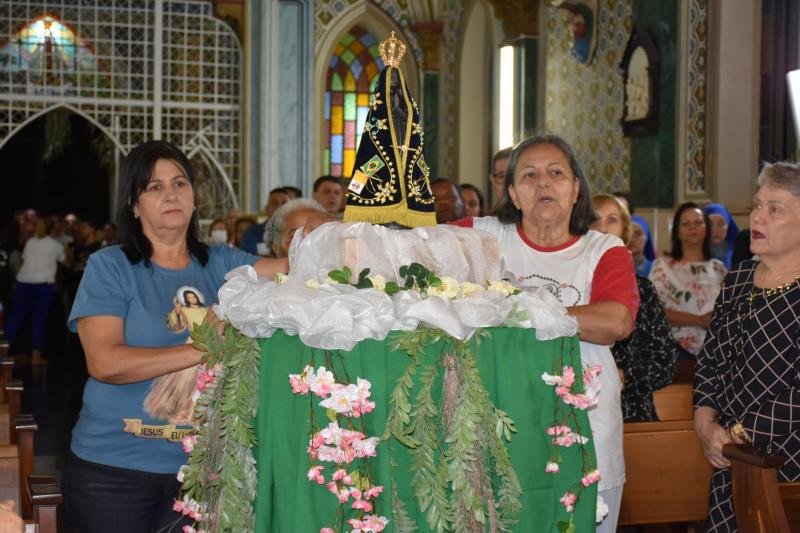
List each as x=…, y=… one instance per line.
x=453, y=184
x=582, y=213
x=322, y=179
x=293, y=191
x=443, y=180
x=281, y=190
x=677, y=249
x=478, y=193
x=137, y=169
x=505, y=153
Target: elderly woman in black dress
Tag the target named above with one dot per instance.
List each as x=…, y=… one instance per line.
x=747, y=381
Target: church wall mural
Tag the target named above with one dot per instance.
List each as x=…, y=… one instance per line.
x=584, y=101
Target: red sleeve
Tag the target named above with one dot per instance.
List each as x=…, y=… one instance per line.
x=615, y=281
x=465, y=222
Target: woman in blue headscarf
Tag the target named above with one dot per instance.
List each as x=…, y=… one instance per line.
x=723, y=232
x=641, y=246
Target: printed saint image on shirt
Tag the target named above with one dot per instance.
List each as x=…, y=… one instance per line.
x=171, y=395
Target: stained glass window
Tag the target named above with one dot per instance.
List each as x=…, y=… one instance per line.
x=48, y=50
x=352, y=75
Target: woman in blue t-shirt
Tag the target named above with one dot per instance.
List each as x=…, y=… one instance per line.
x=126, y=446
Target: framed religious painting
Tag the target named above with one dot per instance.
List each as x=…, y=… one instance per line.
x=640, y=75
x=580, y=18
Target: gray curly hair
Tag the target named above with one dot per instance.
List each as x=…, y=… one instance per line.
x=276, y=224
x=783, y=174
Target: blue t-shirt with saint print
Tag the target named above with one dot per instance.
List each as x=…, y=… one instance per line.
x=139, y=425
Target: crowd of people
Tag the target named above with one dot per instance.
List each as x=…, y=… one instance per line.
x=42, y=259
x=733, y=317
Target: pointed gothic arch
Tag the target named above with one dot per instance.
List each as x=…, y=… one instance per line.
x=167, y=69
x=72, y=109
x=376, y=22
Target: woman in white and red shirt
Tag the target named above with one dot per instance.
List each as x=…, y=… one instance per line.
x=542, y=224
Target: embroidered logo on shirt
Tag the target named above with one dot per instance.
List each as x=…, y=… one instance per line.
x=566, y=293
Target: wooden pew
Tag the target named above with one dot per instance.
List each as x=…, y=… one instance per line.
x=46, y=497
x=667, y=474
x=674, y=402
x=6, y=371
x=762, y=504
x=36, y=497
x=10, y=410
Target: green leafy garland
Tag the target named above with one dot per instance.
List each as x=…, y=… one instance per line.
x=451, y=481
x=220, y=476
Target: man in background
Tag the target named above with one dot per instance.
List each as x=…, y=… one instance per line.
x=498, y=175
x=447, y=200
x=253, y=239
x=329, y=194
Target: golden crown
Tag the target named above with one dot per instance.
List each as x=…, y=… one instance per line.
x=392, y=51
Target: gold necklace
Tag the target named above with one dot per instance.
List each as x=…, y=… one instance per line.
x=755, y=292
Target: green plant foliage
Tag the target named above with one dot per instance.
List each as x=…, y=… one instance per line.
x=344, y=276
x=452, y=466
x=402, y=522
x=399, y=414
x=418, y=277
x=221, y=470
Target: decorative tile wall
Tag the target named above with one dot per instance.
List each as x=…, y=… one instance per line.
x=584, y=102
x=694, y=171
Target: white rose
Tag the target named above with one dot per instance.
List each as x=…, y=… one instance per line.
x=312, y=283
x=448, y=289
x=378, y=282
x=280, y=278
x=502, y=286
x=468, y=288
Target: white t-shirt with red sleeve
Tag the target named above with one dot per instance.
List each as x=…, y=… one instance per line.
x=590, y=268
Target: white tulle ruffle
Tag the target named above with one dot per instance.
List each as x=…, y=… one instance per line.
x=336, y=316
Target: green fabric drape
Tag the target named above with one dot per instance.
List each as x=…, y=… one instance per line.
x=510, y=362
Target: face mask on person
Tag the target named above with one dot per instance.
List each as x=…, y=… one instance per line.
x=219, y=236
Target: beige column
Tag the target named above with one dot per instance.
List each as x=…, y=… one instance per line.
x=733, y=100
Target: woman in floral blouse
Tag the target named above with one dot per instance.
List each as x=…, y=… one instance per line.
x=688, y=280
x=646, y=359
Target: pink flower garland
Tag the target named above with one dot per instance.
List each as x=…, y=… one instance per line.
x=194, y=509
x=563, y=435
x=341, y=446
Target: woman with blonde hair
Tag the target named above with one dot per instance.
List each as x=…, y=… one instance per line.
x=646, y=360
